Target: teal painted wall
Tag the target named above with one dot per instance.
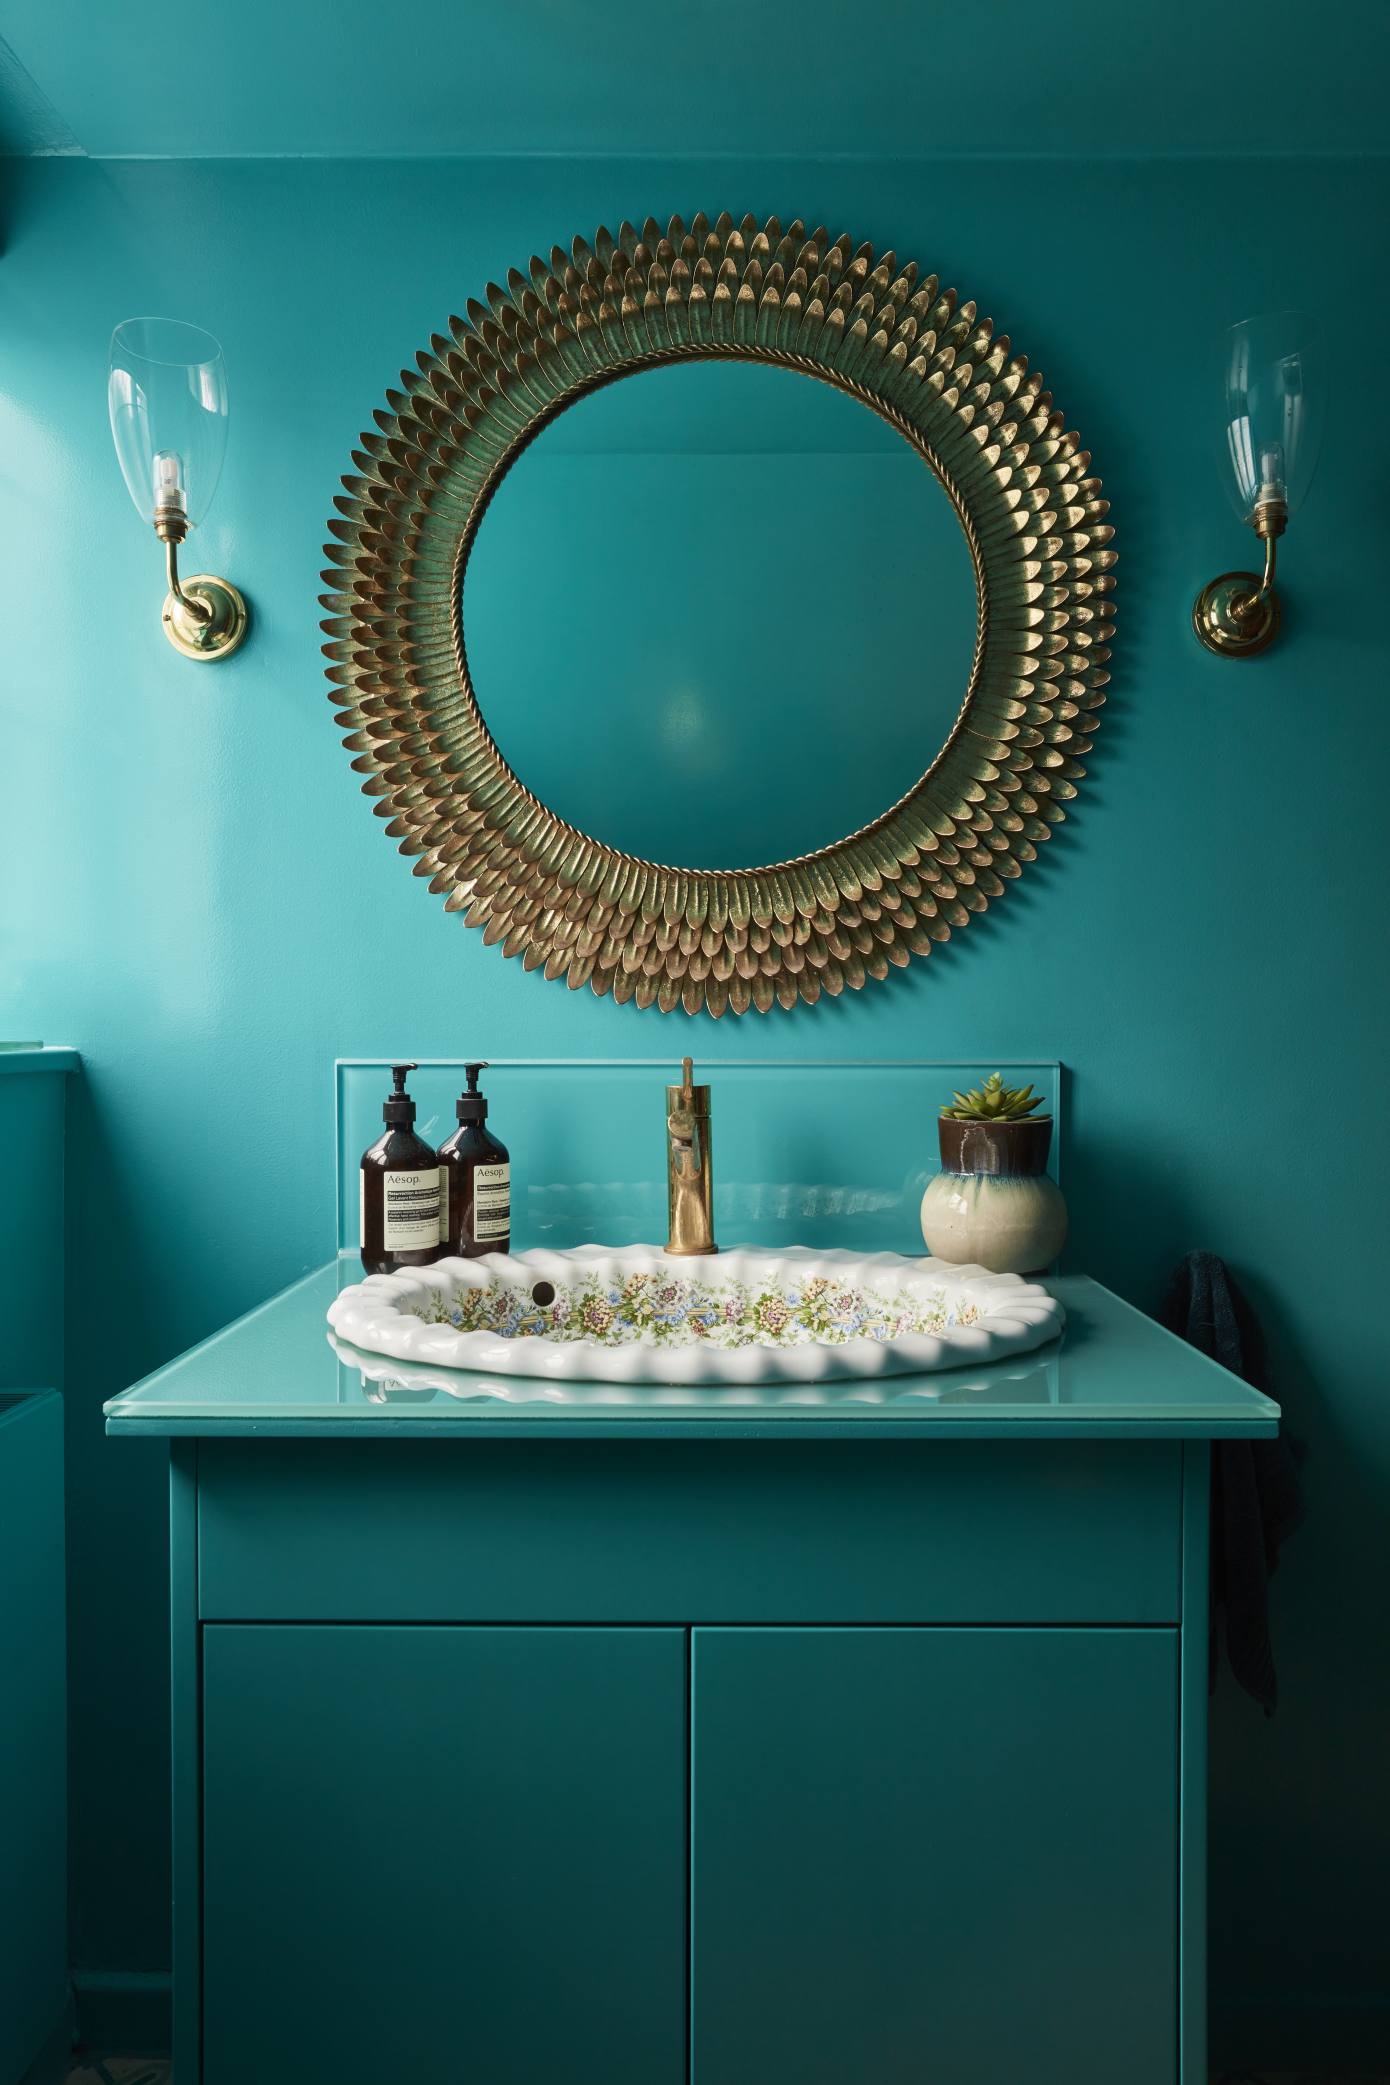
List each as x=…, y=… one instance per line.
x=196, y=896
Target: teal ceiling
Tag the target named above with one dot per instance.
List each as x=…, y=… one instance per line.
x=893, y=78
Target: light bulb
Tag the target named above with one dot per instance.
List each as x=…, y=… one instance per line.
x=1272, y=482
x=168, y=483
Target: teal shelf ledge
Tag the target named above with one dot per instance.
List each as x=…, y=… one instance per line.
x=29, y=1058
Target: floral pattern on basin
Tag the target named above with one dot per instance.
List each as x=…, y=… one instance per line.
x=672, y=1311
x=634, y=1313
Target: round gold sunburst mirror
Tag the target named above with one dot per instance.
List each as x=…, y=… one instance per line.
x=972, y=781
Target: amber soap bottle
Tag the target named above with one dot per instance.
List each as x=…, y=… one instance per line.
x=477, y=1180
x=400, y=1190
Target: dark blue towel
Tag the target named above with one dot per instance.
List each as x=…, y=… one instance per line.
x=1256, y=1502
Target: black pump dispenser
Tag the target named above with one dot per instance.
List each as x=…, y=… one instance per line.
x=401, y=1189
x=398, y=1110
x=477, y=1176
x=472, y=1105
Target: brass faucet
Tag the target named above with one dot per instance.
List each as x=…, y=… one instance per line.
x=689, y=1174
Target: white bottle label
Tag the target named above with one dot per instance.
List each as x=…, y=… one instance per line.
x=492, y=1202
x=444, y=1205
x=410, y=1220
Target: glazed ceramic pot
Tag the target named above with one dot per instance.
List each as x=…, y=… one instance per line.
x=993, y=1204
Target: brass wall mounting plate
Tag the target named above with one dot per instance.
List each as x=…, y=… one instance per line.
x=1232, y=617
x=221, y=634
x=480, y=394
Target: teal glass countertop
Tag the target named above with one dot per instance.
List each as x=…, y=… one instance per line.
x=1113, y=1371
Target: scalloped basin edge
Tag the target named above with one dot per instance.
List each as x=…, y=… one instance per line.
x=636, y=1314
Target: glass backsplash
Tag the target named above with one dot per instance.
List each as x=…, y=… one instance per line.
x=819, y=1154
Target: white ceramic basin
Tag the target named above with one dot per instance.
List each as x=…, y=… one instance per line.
x=633, y=1314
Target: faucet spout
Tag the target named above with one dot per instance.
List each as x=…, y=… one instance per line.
x=689, y=1175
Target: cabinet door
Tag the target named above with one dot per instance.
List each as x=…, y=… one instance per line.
x=444, y=1854
x=934, y=1856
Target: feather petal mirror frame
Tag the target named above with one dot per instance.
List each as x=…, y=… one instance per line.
x=927, y=364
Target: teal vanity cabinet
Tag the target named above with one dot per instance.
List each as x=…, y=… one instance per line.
x=786, y=1738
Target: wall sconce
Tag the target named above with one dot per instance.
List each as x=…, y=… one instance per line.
x=167, y=395
x=1272, y=429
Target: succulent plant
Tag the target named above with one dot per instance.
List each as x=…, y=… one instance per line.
x=995, y=1102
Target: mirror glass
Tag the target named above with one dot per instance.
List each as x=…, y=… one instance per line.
x=719, y=615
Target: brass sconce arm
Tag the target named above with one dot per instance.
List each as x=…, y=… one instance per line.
x=1238, y=614
x=1266, y=585
x=171, y=528
x=204, y=617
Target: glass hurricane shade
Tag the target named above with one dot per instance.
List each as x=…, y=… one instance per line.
x=1272, y=422
x=167, y=396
